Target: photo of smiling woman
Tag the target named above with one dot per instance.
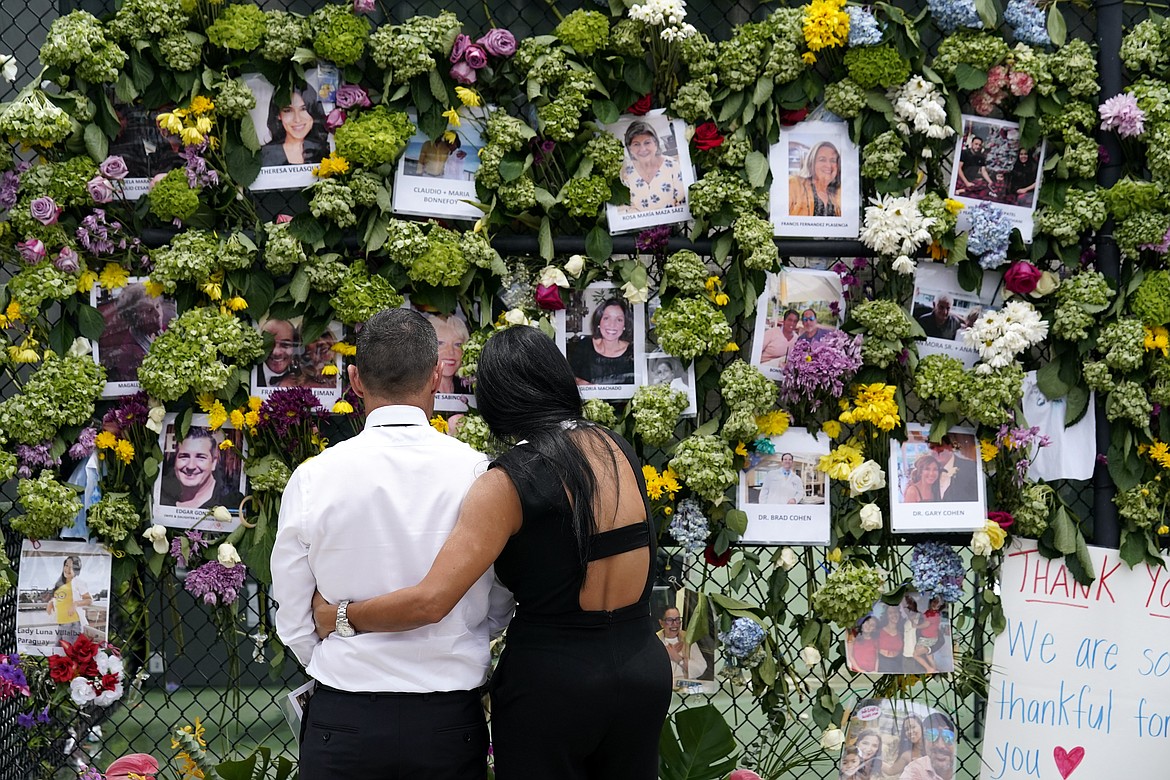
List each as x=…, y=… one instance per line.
x=200, y=472
x=603, y=336
x=816, y=181
x=454, y=391
x=815, y=191
x=656, y=169
x=297, y=126
x=290, y=126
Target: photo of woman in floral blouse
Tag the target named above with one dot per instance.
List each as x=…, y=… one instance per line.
x=655, y=180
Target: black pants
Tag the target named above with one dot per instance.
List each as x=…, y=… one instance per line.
x=393, y=736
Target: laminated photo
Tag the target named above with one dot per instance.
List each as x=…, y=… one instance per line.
x=796, y=305
x=656, y=169
x=900, y=739
x=944, y=309
x=62, y=593
x=785, y=494
x=604, y=337
x=300, y=357
x=436, y=177
x=692, y=664
x=911, y=637
x=455, y=393
x=148, y=152
x=199, y=473
x=816, y=182
x=133, y=320
x=936, y=486
x=290, y=128
x=664, y=369
x=991, y=166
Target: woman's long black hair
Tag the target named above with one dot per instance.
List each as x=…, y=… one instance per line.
x=526, y=390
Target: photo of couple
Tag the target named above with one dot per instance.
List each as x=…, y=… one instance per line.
x=936, y=485
x=294, y=363
x=991, y=166
x=898, y=739
x=797, y=305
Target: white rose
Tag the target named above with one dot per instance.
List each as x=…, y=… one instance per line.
x=635, y=294
x=810, y=655
x=832, y=739
x=867, y=476
x=516, y=317
x=8, y=67
x=788, y=559
x=108, y=663
x=551, y=276
x=227, y=555
x=106, y=698
x=981, y=543
x=221, y=514
x=871, y=517
x=80, y=347
x=1045, y=285
x=81, y=691
x=157, y=535
x=155, y=416
x=575, y=265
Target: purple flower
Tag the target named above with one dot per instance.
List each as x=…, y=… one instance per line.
x=9, y=184
x=541, y=148
x=199, y=174
x=45, y=210
x=363, y=6
x=99, y=189
x=463, y=73
x=352, y=96
x=67, y=261
x=94, y=233
x=285, y=410
x=459, y=47
x=216, y=584
x=476, y=57
x=335, y=120
x=132, y=410
x=35, y=456
x=498, y=42
x=820, y=367
x=31, y=251
x=195, y=545
x=25, y=720
x=84, y=445
x=12, y=679
x=653, y=239
x=114, y=167
x=1121, y=113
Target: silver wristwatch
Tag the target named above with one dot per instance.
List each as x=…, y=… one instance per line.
x=343, y=628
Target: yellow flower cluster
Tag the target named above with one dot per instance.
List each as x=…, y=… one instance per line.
x=343, y=407
x=216, y=413
x=953, y=206
x=832, y=429
x=343, y=348
x=247, y=419
x=11, y=315
x=826, y=24
x=122, y=448
x=213, y=287
x=841, y=462
x=774, y=423
x=438, y=423
x=715, y=291
x=192, y=124
x=469, y=97
x=658, y=485
x=987, y=450
x=153, y=289
x=873, y=403
x=1159, y=452
x=113, y=276
x=332, y=165
x=452, y=115
x=235, y=303
x=26, y=352
x=1158, y=338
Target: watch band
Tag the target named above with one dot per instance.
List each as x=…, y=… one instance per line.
x=343, y=626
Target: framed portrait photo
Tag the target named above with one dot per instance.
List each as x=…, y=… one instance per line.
x=797, y=305
x=944, y=309
x=62, y=593
x=692, y=664
x=291, y=127
x=302, y=355
x=656, y=169
x=990, y=165
x=604, y=338
x=936, y=486
x=199, y=472
x=816, y=181
x=436, y=177
x=133, y=320
x=785, y=495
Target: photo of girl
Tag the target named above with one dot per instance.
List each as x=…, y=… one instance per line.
x=63, y=592
x=69, y=594
x=911, y=637
x=898, y=739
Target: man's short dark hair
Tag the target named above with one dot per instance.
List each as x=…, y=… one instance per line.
x=397, y=351
x=938, y=720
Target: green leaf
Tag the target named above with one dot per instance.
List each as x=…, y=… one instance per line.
x=987, y=13
x=721, y=247
x=605, y=112
x=704, y=749
x=735, y=606
x=299, y=288
x=1027, y=105
x=1133, y=547
x=96, y=143
x=639, y=76
x=248, y=136
x=545, y=238
x=731, y=106
x=242, y=162
x=305, y=228
x=697, y=626
x=511, y=169
x=1049, y=381
x=437, y=88
x=1057, y=29
x=737, y=521
x=879, y=102
x=598, y=244
x=150, y=468
x=970, y=276
x=124, y=89
x=763, y=91
x=90, y=321
x=756, y=165
x=969, y=78
x=1076, y=404
x=1065, y=532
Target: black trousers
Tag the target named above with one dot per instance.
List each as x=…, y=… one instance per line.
x=393, y=736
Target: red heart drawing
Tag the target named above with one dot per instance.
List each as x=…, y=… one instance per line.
x=1067, y=761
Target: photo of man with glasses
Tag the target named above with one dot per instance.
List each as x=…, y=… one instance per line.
x=939, y=762
x=686, y=660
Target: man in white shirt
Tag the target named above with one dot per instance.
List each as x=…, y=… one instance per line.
x=782, y=485
x=365, y=517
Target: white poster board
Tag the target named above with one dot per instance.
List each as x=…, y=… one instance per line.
x=1080, y=684
x=816, y=182
x=785, y=494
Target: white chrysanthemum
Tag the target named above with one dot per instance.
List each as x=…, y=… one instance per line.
x=919, y=108
x=895, y=226
x=999, y=336
x=660, y=12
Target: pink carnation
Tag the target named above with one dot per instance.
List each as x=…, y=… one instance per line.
x=982, y=103
x=997, y=79
x=1121, y=113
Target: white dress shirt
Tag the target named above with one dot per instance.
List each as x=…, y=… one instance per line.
x=781, y=487
x=368, y=516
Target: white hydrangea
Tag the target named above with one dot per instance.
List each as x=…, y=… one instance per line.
x=1000, y=335
x=919, y=108
x=895, y=226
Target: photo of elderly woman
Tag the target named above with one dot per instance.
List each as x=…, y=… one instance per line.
x=63, y=592
x=656, y=169
x=455, y=392
x=815, y=181
x=199, y=473
x=290, y=127
x=815, y=190
x=604, y=337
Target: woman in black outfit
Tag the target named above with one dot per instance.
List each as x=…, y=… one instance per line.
x=584, y=684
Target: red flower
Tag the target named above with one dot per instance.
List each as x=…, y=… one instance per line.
x=83, y=650
x=1002, y=519
x=61, y=669
x=548, y=296
x=1022, y=277
x=110, y=681
x=716, y=560
x=641, y=106
x=707, y=136
x=792, y=117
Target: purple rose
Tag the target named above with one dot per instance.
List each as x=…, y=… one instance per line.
x=476, y=57
x=463, y=73
x=99, y=189
x=460, y=46
x=45, y=210
x=352, y=96
x=67, y=260
x=498, y=42
x=31, y=251
x=335, y=120
x=114, y=167
x=363, y=6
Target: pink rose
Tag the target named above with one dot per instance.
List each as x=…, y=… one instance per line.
x=99, y=189
x=67, y=260
x=335, y=120
x=31, y=251
x=548, y=296
x=44, y=210
x=460, y=47
x=476, y=57
x=463, y=73
x=363, y=6
x=1022, y=277
x=498, y=42
x=114, y=167
x=352, y=96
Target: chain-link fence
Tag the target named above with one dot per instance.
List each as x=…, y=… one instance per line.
x=232, y=687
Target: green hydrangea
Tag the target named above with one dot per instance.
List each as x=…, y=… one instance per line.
x=436, y=32
x=282, y=250
x=1128, y=401
x=33, y=286
x=78, y=40
x=882, y=157
x=405, y=241
x=1129, y=196
x=848, y=594
x=585, y=31
x=479, y=252
x=173, y=198
x=845, y=98
x=1098, y=377
x=149, y=19
x=740, y=60
x=626, y=38
x=362, y=295
x=739, y=426
x=325, y=272
x=178, y=52
x=236, y=252
x=1158, y=152
x=339, y=35
x=785, y=63
x=606, y=153
x=374, y=138
x=561, y=119
x=885, y=326
x=60, y=393
x=940, y=381
x=656, y=410
x=190, y=257
x=877, y=66
x=686, y=272
x=1153, y=98
x=1075, y=67
x=233, y=99
x=473, y=431
x=1160, y=376
x=1143, y=505
x=693, y=100
x=1081, y=155
x=8, y=466
x=366, y=187
x=268, y=475
x=49, y=507
x=1140, y=229
x=757, y=249
x=536, y=60
x=723, y=196
x=1151, y=300
x=1031, y=510
x=34, y=120
x=193, y=354
x=283, y=34
x=63, y=181
x=472, y=348
x=402, y=56
x=238, y=27
x=989, y=398
x=1143, y=47
x=1083, y=210
x=745, y=389
x=333, y=200
x=980, y=50
x=706, y=466
x=690, y=327
x=112, y=518
x=443, y=263
x=933, y=206
x=518, y=195
x=585, y=197
x=1123, y=344
x=600, y=412
x=1035, y=63
x=507, y=131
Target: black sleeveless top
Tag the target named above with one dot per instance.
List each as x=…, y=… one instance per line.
x=540, y=563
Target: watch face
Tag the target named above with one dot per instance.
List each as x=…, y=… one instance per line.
x=343, y=627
